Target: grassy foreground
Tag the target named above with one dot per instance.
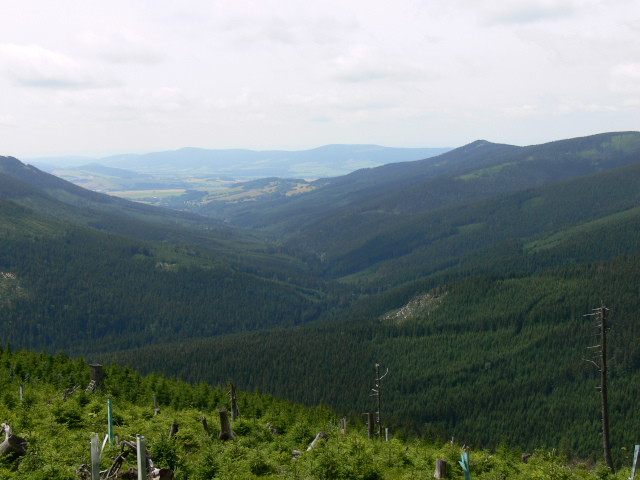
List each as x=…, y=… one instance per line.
x=58, y=432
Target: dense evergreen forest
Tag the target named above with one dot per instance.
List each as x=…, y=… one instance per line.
x=45, y=401
x=489, y=358
x=468, y=275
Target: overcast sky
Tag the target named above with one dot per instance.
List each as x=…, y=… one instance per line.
x=94, y=78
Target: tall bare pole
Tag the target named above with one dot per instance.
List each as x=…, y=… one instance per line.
x=377, y=392
x=600, y=354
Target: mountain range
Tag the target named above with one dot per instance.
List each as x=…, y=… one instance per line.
x=328, y=160
x=468, y=275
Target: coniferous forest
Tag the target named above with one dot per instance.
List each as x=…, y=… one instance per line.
x=45, y=402
x=469, y=276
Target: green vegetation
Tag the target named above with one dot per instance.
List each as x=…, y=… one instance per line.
x=489, y=358
x=472, y=292
x=485, y=172
x=57, y=430
x=111, y=292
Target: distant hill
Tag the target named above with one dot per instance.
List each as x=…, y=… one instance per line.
x=110, y=171
x=329, y=160
x=49, y=164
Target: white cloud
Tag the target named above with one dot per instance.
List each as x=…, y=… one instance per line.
x=363, y=63
x=625, y=79
x=263, y=73
x=121, y=47
x=524, y=12
x=142, y=103
x=7, y=121
x=558, y=109
x=35, y=66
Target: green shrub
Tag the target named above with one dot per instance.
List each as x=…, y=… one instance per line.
x=242, y=428
x=207, y=466
x=258, y=464
x=164, y=453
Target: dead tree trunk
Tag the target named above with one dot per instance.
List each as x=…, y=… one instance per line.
x=601, y=357
x=97, y=378
x=234, y=402
x=205, y=425
x=225, y=427
x=12, y=443
x=441, y=468
x=377, y=392
x=313, y=444
x=604, y=391
x=343, y=426
x=173, y=430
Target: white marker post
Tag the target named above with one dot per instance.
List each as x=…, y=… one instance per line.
x=142, y=458
x=110, y=420
x=95, y=457
x=635, y=462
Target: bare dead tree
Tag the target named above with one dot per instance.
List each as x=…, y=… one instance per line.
x=225, y=427
x=377, y=393
x=599, y=359
x=234, y=402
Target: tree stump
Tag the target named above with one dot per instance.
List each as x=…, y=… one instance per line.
x=173, y=430
x=225, y=427
x=525, y=457
x=441, y=468
x=97, y=378
x=12, y=443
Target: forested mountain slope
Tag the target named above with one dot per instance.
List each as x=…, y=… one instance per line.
x=478, y=170
x=78, y=289
x=388, y=249
x=486, y=359
x=64, y=285
x=49, y=195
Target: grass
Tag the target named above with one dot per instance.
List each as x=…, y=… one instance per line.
x=485, y=172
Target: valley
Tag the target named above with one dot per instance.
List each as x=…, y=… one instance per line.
x=467, y=274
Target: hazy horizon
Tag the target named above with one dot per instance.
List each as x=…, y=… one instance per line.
x=79, y=78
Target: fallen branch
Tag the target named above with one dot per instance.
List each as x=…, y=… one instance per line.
x=315, y=441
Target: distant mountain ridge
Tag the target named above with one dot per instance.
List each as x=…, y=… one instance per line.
x=325, y=161
x=478, y=170
x=111, y=171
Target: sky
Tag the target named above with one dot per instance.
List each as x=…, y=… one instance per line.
x=94, y=78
